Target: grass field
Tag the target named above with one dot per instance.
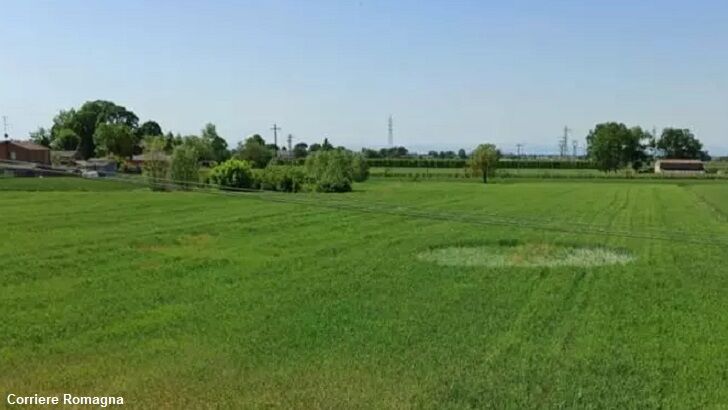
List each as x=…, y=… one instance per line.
x=510, y=172
x=191, y=300
x=720, y=166
x=717, y=170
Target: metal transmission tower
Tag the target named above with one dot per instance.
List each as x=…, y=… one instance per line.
x=519, y=148
x=5, y=126
x=390, y=131
x=275, y=129
x=564, y=143
x=575, y=148
x=290, y=142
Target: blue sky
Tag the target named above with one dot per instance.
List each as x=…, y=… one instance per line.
x=452, y=73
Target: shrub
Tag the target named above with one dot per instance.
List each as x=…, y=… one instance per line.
x=185, y=168
x=284, y=178
x=233, y=173
x=360, y=168
x=156, y=165
x=330, y=171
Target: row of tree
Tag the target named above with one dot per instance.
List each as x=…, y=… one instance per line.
x=402, y=152
x=97, y=128
x=614, y=146
x=331, y=170
x=102, y=128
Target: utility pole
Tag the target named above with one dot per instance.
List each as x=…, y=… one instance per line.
x=390, y=129
x=275, y=129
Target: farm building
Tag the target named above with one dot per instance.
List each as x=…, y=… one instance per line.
x=679, y=166
x=25, y=151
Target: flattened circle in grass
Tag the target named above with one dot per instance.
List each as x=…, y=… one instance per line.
x=525, y=256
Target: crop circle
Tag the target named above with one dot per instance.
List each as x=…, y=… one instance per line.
x=527, y=255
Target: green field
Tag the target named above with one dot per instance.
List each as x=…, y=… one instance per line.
x=718, y=166
x=194, y=300
x=465, y=173
x=716, y=170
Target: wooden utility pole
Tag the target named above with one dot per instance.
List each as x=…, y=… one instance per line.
x=275, y=129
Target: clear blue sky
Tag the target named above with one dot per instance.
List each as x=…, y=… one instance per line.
x=453, y=73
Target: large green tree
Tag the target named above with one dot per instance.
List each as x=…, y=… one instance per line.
x=255, y=151
x=613, y=146
x=300, y=150
x=201, y=146
x=114, y=139
x=680, y=144
x=88, y=117
x=148, y=129
x=66, y=140
x=484, y=160
x=218, y=145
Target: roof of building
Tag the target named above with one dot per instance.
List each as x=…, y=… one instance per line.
x=681, y=165
x=29, y=145
x=679, y=161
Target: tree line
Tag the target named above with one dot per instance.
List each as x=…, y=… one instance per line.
x=104, y=129
x=613, y=146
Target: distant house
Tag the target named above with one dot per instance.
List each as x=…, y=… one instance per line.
x=24, y=151
x=679, y=166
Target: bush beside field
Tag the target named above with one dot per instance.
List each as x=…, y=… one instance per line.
x=325, y=171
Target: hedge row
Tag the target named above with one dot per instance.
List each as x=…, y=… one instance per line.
x=462, y=163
